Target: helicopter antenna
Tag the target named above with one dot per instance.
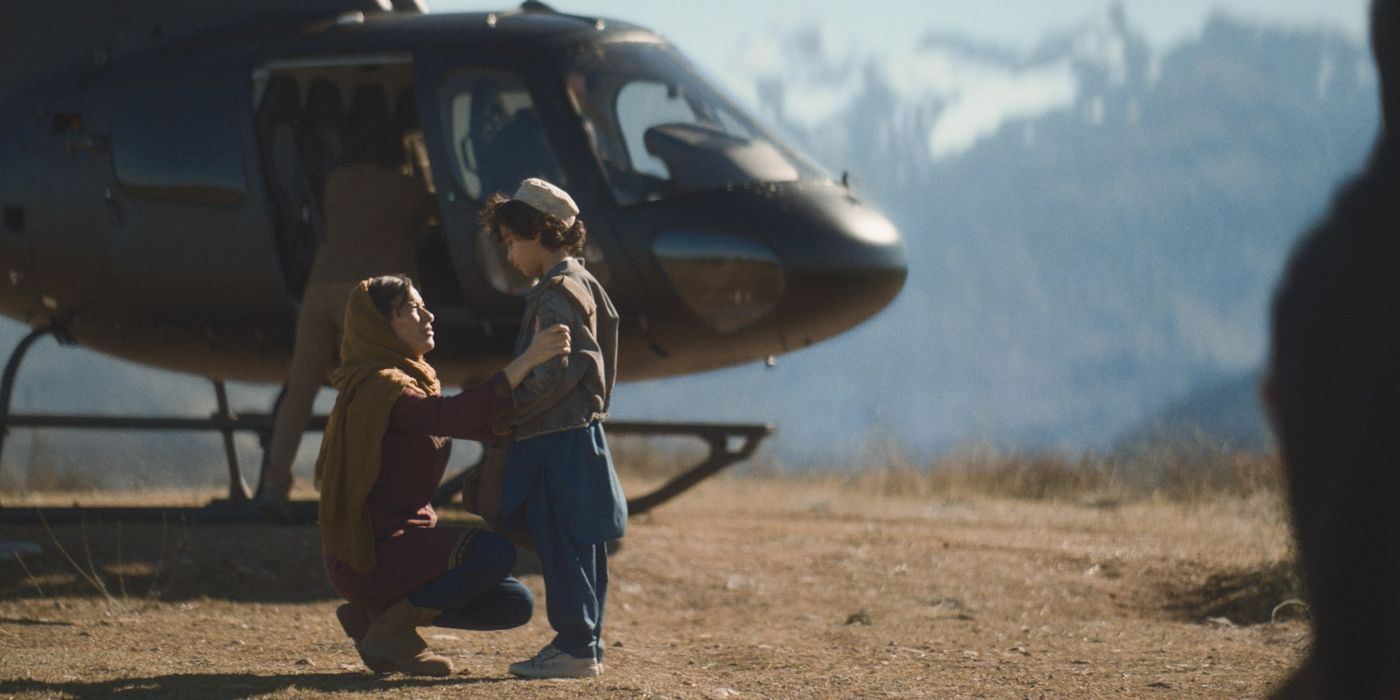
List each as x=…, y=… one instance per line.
x=537, y=7
x=410, y=6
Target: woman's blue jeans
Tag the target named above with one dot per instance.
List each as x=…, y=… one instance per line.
x=479, y=593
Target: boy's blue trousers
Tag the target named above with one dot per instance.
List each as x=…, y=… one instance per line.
x=562, y=488
x=575, y=585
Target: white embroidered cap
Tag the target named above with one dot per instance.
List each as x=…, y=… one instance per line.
x=547, y=198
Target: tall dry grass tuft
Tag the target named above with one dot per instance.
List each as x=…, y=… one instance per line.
x=96, y=574
x=654, y=458
x=984, y=471
x=1194, y=469
x=1030, y=477
x=44, y=471
x=1187, y=470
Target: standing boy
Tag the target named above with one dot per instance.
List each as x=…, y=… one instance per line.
x=559, y=482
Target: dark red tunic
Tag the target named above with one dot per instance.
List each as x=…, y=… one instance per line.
x=410, y=550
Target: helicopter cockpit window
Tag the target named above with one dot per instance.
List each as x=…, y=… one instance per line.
x=640, y=105
x=657, y=127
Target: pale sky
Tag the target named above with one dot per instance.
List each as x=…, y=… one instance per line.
x=709, y=31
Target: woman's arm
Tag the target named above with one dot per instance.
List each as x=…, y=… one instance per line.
x=468, y=415
x=465, y=416
x=546, y=345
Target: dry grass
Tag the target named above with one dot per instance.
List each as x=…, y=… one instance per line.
x=1189, y=474
x=108, y=572
x=787, y=586
x=654, y=458
x=1163, y=474
x=1188, y=471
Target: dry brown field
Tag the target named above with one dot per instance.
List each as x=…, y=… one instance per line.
x=746, y=587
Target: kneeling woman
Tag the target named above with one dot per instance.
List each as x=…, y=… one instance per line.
x=382, y=457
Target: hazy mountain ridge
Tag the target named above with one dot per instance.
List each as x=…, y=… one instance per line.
x=1094, y=234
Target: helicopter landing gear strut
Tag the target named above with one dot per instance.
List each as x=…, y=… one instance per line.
x=223, y=420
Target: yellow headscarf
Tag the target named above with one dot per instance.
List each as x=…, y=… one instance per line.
x=375, y=367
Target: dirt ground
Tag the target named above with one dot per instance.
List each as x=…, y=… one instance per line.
x=745, y=587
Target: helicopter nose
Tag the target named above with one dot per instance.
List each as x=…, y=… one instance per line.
x=843, y=262
x=816, y=263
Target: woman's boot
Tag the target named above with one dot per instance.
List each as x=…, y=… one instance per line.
x=356, y=619
x=393, y=638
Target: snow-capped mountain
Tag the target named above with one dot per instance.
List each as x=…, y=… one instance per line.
x=1095, y=227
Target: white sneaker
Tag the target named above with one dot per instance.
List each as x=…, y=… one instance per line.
x=553, y=663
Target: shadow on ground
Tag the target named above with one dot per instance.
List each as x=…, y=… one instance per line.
x=234, y=686
x=1247, y=596
x=176, y=561
x=168, y=561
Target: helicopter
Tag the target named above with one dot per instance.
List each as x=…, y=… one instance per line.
x=162, y=165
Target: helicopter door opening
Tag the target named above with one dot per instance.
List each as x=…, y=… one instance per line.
x=307, y=112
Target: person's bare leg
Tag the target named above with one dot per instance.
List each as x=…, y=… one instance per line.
x=314, y=355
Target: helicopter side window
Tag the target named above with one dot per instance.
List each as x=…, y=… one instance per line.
x=191, y=155
x=496, y=140
x=497, y=137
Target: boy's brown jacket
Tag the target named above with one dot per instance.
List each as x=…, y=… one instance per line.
x=575, y=389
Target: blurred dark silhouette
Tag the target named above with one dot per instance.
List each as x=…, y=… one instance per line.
x=1333, y=392
x=369, y=128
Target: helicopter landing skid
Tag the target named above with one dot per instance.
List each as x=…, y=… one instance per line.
x=728, y=443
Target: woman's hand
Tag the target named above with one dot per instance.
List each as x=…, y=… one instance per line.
x=547, y=344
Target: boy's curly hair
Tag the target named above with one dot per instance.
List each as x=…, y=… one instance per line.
x=530, y=223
